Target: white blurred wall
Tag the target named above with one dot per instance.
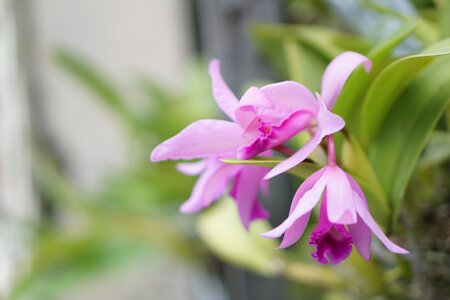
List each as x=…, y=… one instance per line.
x=122, y=38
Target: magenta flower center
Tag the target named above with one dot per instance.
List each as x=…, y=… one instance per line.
x=333, y=244
x=265, y=128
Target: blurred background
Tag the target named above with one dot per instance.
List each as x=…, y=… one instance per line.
x=89, y=87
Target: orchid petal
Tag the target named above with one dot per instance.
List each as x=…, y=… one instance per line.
x=290, y=95
x=255, y=97
x=245, y=191
x=364, y=213
x=210, y=186
x=328, y=122
x=251, y=102
x=191, y=168
x=259, y=212
x=297, y=157
x=341, y=206
x=362, y=235
x=337, y=73
x=307, y=199
x=203, y=138
x=224, y=97
x=293, y=234
x=290, y=126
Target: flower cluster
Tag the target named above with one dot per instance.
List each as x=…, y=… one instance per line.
x=264, y=119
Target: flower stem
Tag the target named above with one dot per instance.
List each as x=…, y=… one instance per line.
x=331, y=150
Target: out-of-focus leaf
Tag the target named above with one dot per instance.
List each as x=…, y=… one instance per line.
x=313, y=275
x=385, y=49
x=390, y=84
x=302, y=52
x=406, y=128
x=444, y=17
x=302, y=171
x=291, y=51
x=428, y=32
x=223, y=233
x=92, y=79
x=350, y=99
x=144, y=188
x=54, y=186
x=437, y=150
x=369, y=279
x=220, y=228
x=303, y=64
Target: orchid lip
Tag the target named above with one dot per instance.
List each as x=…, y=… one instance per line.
x=333, y=244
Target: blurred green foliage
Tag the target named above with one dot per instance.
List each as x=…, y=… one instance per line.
x=134, y=214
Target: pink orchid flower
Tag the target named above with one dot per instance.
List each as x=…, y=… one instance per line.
x=333, y=80
x=344, y=217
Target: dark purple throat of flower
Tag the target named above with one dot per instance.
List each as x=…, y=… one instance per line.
x=333, y=244
x=332, y=241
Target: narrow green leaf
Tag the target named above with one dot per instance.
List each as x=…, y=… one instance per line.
x=291, y=50
x=390, y=84
x=263, y=161
x=302, y=171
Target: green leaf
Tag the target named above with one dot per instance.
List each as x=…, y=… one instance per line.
x=301, y=171
x=406, y=128
x=303, y=64
x=390, y=84
x=444, y=17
